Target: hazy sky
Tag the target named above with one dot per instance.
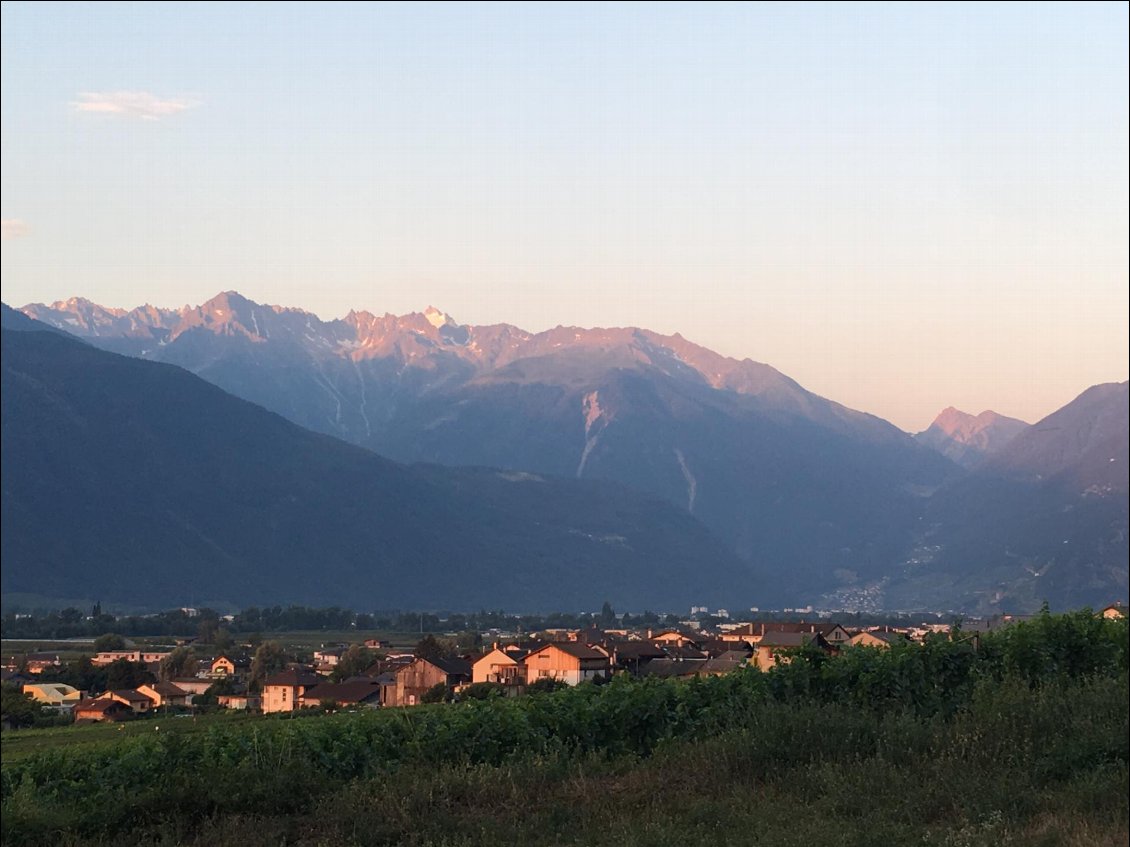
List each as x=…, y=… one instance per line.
x=902, y=207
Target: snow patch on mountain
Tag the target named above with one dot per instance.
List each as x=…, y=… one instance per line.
x=437, y=318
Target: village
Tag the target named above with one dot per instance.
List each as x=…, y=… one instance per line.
x=373, y=674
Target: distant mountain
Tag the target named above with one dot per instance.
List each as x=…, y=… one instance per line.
x=967, y=439
x=1043, y=518
x=136, y=482
x=19, y=322
x=821, y=495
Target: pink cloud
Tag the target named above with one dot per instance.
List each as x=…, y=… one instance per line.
x=134, y=104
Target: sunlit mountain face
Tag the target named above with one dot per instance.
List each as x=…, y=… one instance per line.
x=970, y=439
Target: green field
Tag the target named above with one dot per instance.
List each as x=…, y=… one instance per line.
x=297, y=640
x=19, y=744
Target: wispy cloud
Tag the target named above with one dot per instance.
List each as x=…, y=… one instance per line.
x=12, y=228
x=133, y=104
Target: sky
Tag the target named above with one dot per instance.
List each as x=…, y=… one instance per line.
x=903, y=207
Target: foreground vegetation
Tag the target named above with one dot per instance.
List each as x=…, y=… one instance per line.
x=1022, y=741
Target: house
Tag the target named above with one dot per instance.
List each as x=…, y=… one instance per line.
x=739, y=632
x=192, y=685
x=501, y=665
x=772, y=645
x=725, y=663
x=239, y=702
x=107, y=657
x=673, y=667
x=833, y=633
x=390, y=665
x=166, y=694
x=1114, y=611
x=682, y=651
x=283, y=691
x=55, y=695
x=229, y=665
x=37, y=663
x=674, y=636
x=377, y=644
x=634, y=656
x=326, y=660
x=569, y=662
x=138, y=702
x=101, y=709
x=717, y=646
x=357, y=692
x=882, y=639
x=416, y=679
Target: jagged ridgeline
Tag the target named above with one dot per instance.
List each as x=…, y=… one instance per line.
x=800, y=486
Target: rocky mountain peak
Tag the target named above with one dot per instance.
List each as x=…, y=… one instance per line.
x=437, y=318
x=968, y=439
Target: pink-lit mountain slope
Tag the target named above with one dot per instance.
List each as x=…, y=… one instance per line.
x=969, y=439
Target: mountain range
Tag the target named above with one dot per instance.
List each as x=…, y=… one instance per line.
x=820, y=494
x=137, y=482
x=827, y=503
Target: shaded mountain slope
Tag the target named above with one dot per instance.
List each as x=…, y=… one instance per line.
x=1044, y=518
x=137, y=482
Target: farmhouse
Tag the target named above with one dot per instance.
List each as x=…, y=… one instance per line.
x=415, y=679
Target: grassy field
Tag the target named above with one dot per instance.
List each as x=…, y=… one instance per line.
x=308, y=640
x=297, y=640
x=1019, y=767
x=1024, y=740
x=19, y=744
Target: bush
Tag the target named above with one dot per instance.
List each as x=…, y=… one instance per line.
x=436, y=694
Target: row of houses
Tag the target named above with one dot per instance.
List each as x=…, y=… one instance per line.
x=404, y=681
x=110, y=705
x=571, y=657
